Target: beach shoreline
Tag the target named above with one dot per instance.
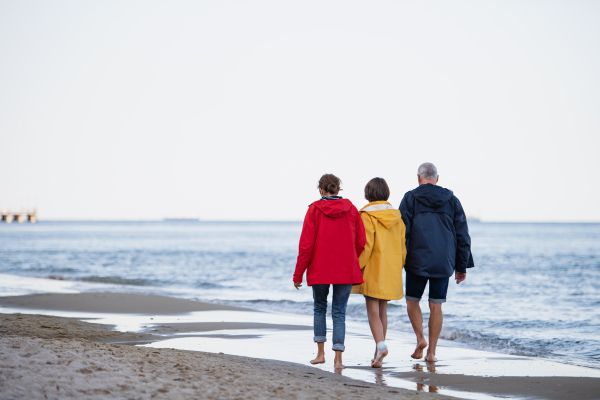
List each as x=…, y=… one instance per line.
x=68, y=357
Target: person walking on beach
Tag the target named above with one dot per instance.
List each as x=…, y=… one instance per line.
x=438, y=245
x=381, y=261
x=333, y=236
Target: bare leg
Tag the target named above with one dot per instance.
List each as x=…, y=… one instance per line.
x=320, y=359
x=416, y=320
x=377, y=323
x=337, y=362
x=383, y=316
x=436, y=319
x=375, y=320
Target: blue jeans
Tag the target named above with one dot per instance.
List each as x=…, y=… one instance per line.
x=338, y=312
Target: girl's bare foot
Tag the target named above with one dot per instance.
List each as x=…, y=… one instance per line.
x=319, y=359
x=378, y=361
x=419, y=350
x=430, y=358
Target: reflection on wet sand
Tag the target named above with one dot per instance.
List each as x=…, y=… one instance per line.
x=380, y=379
x=419, y=367
x=421, y=387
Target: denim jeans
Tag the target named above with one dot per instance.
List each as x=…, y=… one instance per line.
x=338, y=312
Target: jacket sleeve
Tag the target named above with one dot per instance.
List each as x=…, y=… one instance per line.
x=403, y=241
x=406, y=212
x=463, y=240
x=361, y=239
x=370, y=239
x=307, y=244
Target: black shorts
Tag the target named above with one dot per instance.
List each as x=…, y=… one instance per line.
x=415, y=286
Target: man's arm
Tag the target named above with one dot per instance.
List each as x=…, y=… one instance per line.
x=406, y=212
x=463, y=240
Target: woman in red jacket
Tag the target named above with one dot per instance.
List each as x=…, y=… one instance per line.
x=333, y=236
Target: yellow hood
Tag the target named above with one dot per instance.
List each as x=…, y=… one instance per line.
x=384, y=212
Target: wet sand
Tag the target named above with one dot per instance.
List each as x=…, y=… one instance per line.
x=44, y=356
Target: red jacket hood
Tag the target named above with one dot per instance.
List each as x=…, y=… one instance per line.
x=333, y=208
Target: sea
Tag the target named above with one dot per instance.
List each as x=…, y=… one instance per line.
x=534, y=290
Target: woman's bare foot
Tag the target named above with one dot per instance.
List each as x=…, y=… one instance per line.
x=430, y=358
x=319, y=359
x=337, y=362
x=419, y=350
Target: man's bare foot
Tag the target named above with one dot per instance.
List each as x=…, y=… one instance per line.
x=338, y=365
x=430, y=358
x=419, y=350
x=320, y=359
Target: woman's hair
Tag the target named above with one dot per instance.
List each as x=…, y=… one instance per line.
x=330, y=183
x=377, y=190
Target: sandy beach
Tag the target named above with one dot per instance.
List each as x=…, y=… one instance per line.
x=49, y=356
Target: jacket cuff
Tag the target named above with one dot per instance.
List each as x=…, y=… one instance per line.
x=297, y=279
x=464, y=270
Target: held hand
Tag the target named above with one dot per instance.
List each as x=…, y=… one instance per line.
x=460, y=276
x=297, y=285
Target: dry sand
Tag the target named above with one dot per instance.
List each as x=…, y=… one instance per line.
x=44, y=357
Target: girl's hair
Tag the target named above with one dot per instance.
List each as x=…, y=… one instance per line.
x=377, y=190
x=330, y=183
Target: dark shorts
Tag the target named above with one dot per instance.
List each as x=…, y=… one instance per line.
x=415, y=286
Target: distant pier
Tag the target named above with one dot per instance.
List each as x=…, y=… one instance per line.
x=18, y=216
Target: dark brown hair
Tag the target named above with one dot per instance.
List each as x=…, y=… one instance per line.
x=377, y=190
x=330, y=183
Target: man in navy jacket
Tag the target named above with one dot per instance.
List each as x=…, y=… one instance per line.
x=438, y=246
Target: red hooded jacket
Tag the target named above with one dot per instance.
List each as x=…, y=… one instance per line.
x=333, y=236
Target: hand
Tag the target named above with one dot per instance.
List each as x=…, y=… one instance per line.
x=297, y=285
x=460, y=276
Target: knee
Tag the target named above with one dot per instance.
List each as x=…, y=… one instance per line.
x=338, y=316
x=320, y=307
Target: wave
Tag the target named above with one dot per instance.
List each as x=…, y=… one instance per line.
x=117, y=280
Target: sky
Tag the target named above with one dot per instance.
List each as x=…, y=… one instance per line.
x=232, y=110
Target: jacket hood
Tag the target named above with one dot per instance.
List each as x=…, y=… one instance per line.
x=333, y=208
x=432, y=195
x=384, y=212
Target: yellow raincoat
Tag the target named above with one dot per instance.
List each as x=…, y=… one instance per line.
x=385, y=252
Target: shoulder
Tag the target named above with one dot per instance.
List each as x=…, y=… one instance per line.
x=407, y=198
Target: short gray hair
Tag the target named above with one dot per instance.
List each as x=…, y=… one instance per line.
x=428, y=171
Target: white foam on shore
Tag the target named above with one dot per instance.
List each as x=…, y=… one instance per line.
x=12, y=285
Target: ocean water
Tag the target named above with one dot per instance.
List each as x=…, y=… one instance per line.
x=534, y=290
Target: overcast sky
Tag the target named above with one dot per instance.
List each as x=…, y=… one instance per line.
x=232, y=110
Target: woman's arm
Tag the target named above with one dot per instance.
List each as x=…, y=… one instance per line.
x=307, y=244
x=370, y=239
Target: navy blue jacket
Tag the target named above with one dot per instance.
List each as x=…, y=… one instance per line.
x=437, y=235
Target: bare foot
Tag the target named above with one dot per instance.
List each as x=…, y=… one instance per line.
x=419, y=350
x=430, y=358
x=337, y=361
x=320, y=359
x=378, y=362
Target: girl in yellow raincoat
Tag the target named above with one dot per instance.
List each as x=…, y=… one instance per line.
x=381, y=261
